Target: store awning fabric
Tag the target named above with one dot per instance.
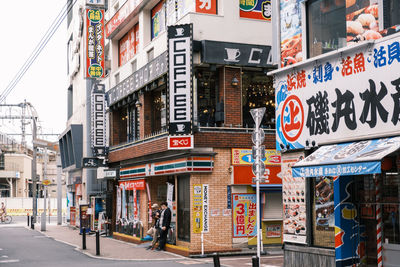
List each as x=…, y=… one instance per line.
x=355, y=158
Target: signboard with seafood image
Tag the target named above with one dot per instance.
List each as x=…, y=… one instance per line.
x=294, y=201
x=324, y=206
x=291, y=35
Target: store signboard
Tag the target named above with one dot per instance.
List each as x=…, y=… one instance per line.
x=180, y=142
x=206, y=6
x=243, y=156
x=158, y=19
x=179, y=93
x=95, y=44
x=255, y=9
x=273, y=231
x=133, y=184
x=294, y=201
x=200, y=208
x=244, y=215
x=214, y=52
x=98, y=120
x=291, y=34
x=352, y=95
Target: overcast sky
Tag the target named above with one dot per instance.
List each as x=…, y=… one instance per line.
x=22, y=25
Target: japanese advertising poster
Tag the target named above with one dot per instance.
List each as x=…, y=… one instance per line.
x=324, y=205
x=158, y=19
x=128, y=45
x=353, y=95
x=291, y=35
x=294, y=201
x=244, y=215
x=255, y=9
x=95, y=43
x=200, y=208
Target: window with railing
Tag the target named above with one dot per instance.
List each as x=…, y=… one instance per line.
x=207, y=90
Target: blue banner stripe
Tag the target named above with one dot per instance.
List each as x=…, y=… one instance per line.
x=357, y=168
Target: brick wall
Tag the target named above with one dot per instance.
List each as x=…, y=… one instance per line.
x=233, y=97
x=219, y=237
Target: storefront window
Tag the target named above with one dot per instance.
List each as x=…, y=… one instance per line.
x=207, y=92
x=326, y=22
x=158, y=110
x=323, y=213
x=392, y=13
x=184, y=207
x=258, y=91
x=133, y=123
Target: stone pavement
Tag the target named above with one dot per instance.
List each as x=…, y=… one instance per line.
x=109, y=247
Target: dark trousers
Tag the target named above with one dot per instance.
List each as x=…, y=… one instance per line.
x=163, y=238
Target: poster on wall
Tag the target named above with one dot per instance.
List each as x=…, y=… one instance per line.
x=242, y=156
x=324, y=206
x=95, y=43
x=291, y=35
x=244, y=215
x=128, y=45
x=255, y=9
x=200, y=208
x=273, y=231
x=353, y=95
x=158, y=20
x=294, y=201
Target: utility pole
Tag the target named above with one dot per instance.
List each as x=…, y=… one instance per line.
x=59, y=193
x=34, y=170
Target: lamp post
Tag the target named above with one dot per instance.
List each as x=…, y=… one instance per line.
x=258, y=168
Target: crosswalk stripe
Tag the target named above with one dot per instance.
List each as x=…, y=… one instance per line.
x=8, y=261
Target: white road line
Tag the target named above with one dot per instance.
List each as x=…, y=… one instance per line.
x=4, y=256
x=8, y=261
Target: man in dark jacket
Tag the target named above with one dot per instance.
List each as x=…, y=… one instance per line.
x=164, y=221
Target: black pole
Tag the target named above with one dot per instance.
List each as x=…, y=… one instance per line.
x=28, y=220
x=97, y=243
x=216, y=260
x=255, y=261
x=83, y=238
x=32, y=224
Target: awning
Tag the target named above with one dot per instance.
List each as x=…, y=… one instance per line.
x=355, y=158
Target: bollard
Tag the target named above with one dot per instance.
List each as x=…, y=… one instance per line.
x=97, y=243
x=28, y=220
x=216, y=260
x=83, y=238
x=32, y=224
x=255, y=261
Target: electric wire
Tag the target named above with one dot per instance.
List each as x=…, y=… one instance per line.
x=38, y=49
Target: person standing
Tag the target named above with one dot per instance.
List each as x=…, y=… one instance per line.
x=3, y=211
x=155, y=229
x=165, y=221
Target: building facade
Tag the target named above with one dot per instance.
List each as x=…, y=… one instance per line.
x=337, y=128
x=202, y=165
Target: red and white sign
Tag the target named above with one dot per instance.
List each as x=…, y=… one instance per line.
x=133, y=184
x=206, y=6
x=180, y=142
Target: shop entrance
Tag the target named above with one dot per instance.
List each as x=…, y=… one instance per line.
x=381, y=191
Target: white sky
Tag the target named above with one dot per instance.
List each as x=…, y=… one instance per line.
x=22, y=25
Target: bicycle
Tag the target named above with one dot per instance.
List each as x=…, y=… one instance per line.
x=7, y=219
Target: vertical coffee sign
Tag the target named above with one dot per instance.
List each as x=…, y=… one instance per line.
x=179, y=98
x=99, y=130
x=95, y=43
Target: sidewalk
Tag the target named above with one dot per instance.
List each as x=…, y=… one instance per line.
x=109, y=247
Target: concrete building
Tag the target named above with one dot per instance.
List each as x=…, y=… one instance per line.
x=337, y=94
x=208, y=183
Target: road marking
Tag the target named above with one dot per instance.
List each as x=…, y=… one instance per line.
x=4, y=256
x=189, y=262
x=8, y=261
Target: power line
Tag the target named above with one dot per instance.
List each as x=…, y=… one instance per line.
x=38, y=49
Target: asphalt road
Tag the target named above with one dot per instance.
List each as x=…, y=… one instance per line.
x=20, y=246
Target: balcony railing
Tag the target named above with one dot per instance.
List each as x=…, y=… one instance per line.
x=146, y=138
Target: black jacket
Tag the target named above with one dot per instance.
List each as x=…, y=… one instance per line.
x=167, y=218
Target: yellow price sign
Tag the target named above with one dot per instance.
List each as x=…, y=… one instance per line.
x=46, y=182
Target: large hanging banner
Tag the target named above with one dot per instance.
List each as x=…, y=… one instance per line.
x=95, y=43
x=244, y=215
x=351, y=95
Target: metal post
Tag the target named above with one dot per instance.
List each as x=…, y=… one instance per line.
x=32, y=223
x=43, y=216
x=34, y=181
x=59, y=190
x=202, y=243
x=83, y=238
x=28, y=219
x=97, y=243
x=216, y=260
x=255, y=261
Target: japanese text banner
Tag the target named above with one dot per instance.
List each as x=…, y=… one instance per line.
x=347, y=96
x=95, y=43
